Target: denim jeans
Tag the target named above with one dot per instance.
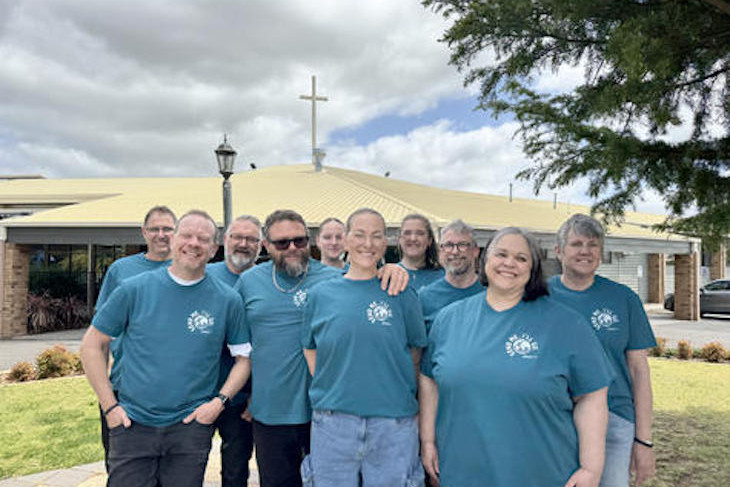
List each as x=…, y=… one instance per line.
x=236, y=446
x=171, y=456
x=347, y=449
x=619, y=441
x=280, y=449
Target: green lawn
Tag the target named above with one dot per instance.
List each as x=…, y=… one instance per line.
x=55, y=423
x=46, y=425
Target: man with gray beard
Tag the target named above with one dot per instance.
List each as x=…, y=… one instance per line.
x=274, y=294
x=241, y=245
x=458, y=256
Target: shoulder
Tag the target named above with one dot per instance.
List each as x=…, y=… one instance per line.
x=603, y=284
x=123, y=262
x=257, y=271
x=432, y=288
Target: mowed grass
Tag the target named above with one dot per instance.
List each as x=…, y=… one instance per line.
x=49, y=424
x=54, y=424
x=691, y=423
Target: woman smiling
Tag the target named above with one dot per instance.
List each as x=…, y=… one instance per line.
x=514, y=384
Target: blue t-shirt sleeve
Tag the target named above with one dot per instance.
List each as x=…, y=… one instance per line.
x=107, y=286
x=432, y=340
x=306, y=335
x=413, y=317
x=641, y=335
x=112, y=317
x=589, y=369
x=237, y=332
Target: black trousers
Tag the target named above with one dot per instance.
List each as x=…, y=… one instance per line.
x=170, y=456
x=236, y=446
x=280, y=450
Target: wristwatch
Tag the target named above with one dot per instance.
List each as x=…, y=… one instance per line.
x=224, y=399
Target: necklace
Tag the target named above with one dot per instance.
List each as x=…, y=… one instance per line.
x=290, y=290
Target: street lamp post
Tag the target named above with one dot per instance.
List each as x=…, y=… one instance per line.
x=226, y=157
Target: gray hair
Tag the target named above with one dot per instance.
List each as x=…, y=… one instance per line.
x=458, y=226
x=580, y=224
x=246, y=218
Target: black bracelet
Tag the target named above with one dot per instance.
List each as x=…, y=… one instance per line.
x=647, y=444
x=111, y=408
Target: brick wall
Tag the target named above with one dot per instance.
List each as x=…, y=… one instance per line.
x=686, y=287
x=657, y=266
x=717, y=263
x=14, y=261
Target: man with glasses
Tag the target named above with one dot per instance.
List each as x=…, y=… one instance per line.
x=241, y=248
x=175, y=321
x=458, y=256
x=273, y=295
x=157, y=231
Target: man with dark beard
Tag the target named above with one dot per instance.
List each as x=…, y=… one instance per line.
x=241, y=245
x=458, y=256
x=273, y=295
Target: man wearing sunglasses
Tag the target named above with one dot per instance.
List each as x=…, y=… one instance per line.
x=274, y=294
x=458, y=256
x=157, y=230
x=241, y=248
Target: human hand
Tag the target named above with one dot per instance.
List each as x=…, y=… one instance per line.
x=430, y=460
x=246, y=415
x=394, y=278
x=643, y=465
x=116, y=417
x=583, y=478
x=206, y=413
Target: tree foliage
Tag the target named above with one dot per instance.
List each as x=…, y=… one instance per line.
x=649, y=66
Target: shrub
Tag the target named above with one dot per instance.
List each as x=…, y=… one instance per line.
x=713, y=352
x=684, y=350
x=78, y=366
x=22, y=372
x=46, y=313
x=660, y=348
x=56, y=361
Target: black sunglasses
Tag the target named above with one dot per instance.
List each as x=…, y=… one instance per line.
x=283, y=244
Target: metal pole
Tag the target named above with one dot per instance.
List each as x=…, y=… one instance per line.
x=227, y=212
x=91, y=279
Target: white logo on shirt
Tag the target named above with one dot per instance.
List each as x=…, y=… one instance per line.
x=522, y=345
x=200, y=321
x=604, y=318
x=299, y=298
x=379, y=311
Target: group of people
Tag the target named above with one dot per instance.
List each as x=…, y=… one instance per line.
x=448, y=368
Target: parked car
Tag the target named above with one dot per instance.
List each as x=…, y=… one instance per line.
x=714, y=298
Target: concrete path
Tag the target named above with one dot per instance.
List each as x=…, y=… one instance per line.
x=711, y=328
x=94, y=475
x=25, y=348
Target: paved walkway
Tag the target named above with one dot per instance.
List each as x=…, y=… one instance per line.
x=708, y=329
x=94, y=475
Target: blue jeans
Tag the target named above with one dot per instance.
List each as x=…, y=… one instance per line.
x=146, y=456
x=382, y=452
x=619, y=441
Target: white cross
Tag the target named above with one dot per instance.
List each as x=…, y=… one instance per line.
x=314, y=98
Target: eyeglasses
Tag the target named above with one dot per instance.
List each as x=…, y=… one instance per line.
x=450, y=246
x=245, y=239
x=283, y=244
x=159, y=229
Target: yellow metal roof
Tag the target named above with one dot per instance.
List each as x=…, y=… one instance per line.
x=316, y=195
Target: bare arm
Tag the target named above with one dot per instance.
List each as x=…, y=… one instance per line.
x=94, y=353
x=394, y=278
x=208, y=412
x=590, y=416
x=428, y=398
x=642, y=457
x=310, y=355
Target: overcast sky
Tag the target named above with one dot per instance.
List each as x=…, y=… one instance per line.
x=93, y=88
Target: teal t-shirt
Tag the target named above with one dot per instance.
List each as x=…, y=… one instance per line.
x=274, y=317
x=441, y=293
x=422, y=277
x=173, y=335
x=120, y=270
x=506, y=382
x=219, y=270
x=363, y=338
x=619, y=321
